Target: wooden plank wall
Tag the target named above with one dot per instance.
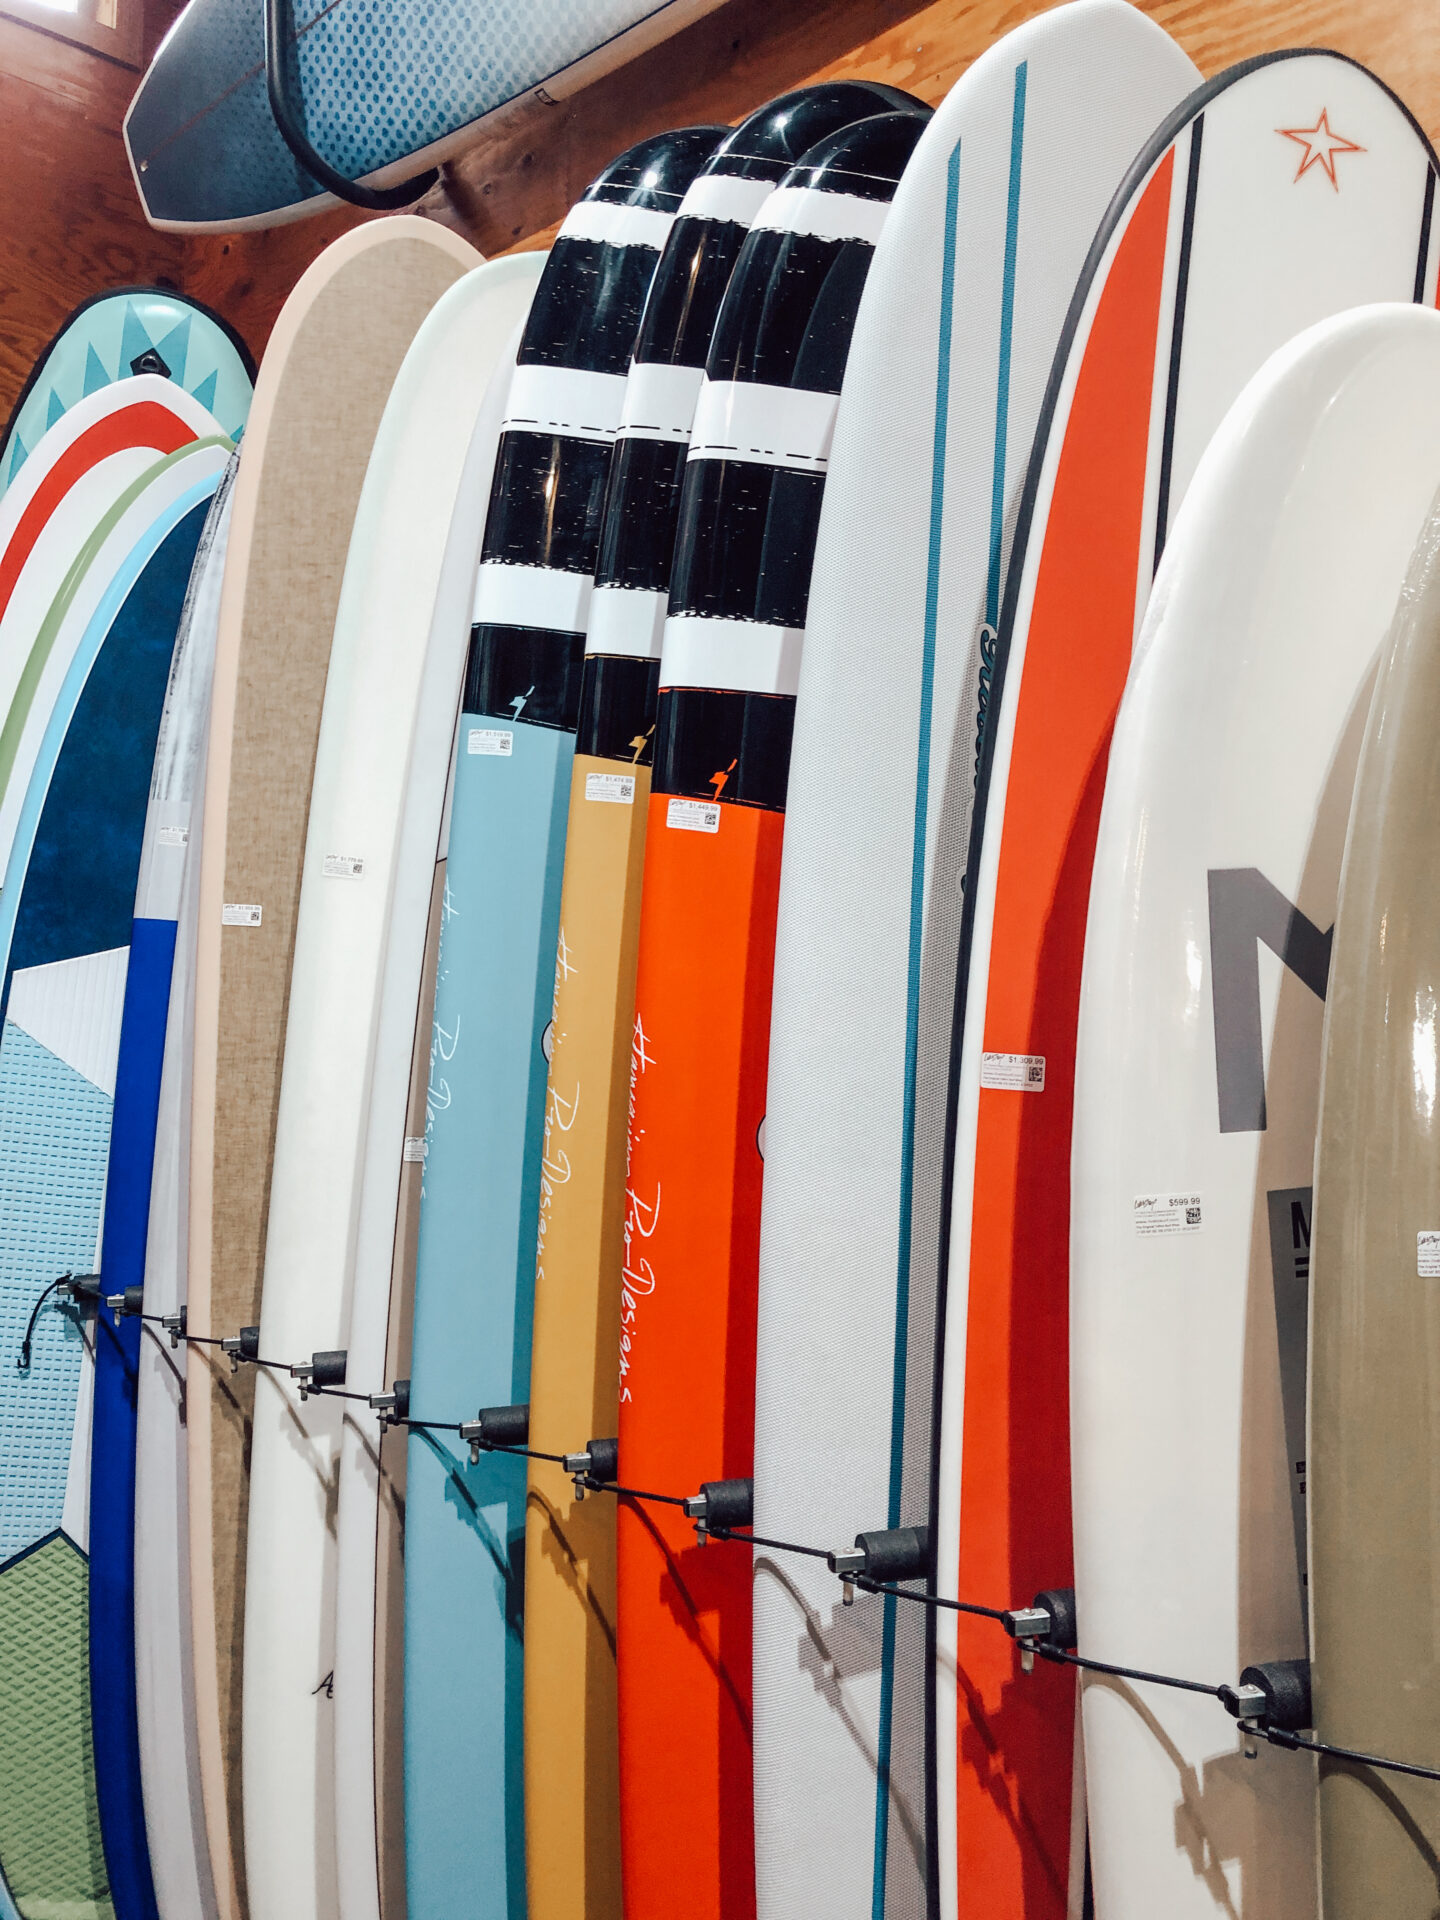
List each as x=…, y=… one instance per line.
x=69, y=223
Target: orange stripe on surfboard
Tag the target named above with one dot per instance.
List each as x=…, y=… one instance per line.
x=687, y=1414
x=1016, y=1731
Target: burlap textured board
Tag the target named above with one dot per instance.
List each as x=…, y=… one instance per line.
x=322, y=388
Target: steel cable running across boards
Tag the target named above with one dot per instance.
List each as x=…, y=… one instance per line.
x=1270, y=1702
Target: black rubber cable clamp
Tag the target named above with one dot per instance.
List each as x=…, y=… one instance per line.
x=889, y=1554
x=393, y=1407
x=721, y=1504
x=321, y=1370
x=595, y=1467
x=496, y=1427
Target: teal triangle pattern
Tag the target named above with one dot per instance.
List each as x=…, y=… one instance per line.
x=134, y=340
x=19, y=457
x=56, y=409
x=173, y=349
x=95, y=374
x=205, y=392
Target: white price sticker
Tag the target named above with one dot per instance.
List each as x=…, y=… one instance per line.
x=1162, y=1213
x=1427, y=1255
x=491, y=740
x=237, y=914
x=696, y=816
x=343, y=866
x=1013, y=1072
x=173, y=836
x=415, y=1148
x=617, y=788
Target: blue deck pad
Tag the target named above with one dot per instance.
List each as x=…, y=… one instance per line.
x=475, y=1277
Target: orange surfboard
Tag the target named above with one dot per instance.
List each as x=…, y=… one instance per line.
x=700, y=1044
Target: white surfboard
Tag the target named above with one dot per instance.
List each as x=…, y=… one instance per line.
x=1282, y=192
x=1196, y=1101
x=394, y=595
x=957, y=330
x=367, y=731
x=164, y=1668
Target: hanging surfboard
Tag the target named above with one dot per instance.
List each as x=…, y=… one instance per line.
x=465, y=1526
x=72, y=1828
x=961, y=316
x=327, y=373
x=1191, y=1213
x=382, y=98
x=392, y=686
x=1281, y=192
x=164, y=1668
x=749, y=506
x=572, y=1837
x=1372, y=1290
x=114, y=336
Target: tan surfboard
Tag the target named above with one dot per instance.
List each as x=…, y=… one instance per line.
x=1375, y=1301
x=326, y=375
x=571, y=1737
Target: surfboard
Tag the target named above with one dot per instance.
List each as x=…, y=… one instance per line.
x=382, y=99
x=65, y=923
x=114, y=336
x=124, y=1228
x=1226, y=804
x=754, y=479
x=483, y=328
x=327, y=373
x=386, y=725
x=1371, y=1283
x=474, y=1281
x=571, y=1802
x=164, y=1677
x=961, y=316
x=1228, y=236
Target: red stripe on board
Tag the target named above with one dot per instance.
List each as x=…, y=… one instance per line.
x=1016, y=1731
x=146, y=424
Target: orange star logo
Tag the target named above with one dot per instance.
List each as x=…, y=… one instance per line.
x=1321, y=146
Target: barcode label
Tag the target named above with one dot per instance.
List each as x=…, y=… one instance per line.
x=491, y=740
x=617, y=788
x=696, y=816
x=237, y=914
x=344, y=866
x=414, y=1146
x=173, y=836
x=1013, y=1072
x=1427, y=1256
x=1157, y=1213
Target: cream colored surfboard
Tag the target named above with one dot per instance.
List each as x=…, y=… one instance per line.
x=1375, y=1300
x=326, y=376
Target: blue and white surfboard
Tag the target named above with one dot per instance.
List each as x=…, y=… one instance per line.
x=116, y=336
x=66, y=916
